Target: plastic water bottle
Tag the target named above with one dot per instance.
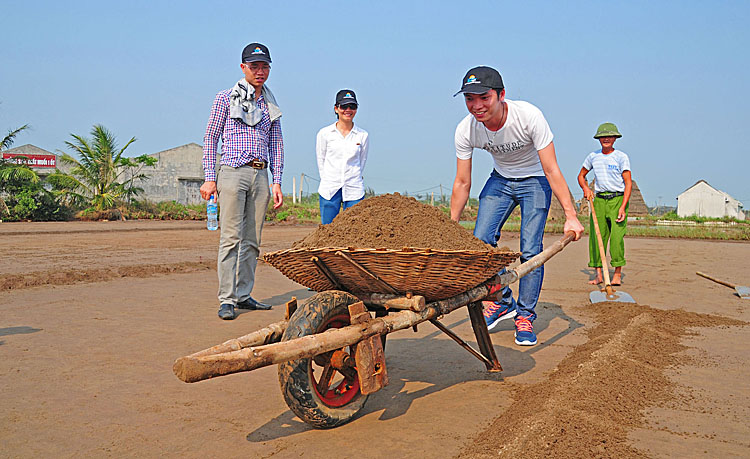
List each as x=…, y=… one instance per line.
x=212, y=212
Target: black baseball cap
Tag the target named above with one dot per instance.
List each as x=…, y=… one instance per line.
x=346, y=96
x=256, y=52
x=480, y=80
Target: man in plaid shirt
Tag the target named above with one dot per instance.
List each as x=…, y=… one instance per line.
x=247, y=120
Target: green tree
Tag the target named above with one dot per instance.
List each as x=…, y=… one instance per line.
x=8, y=139
x=134, y=167
x=93, y=179
x=22, y=195
x=13, y=170
x=16, y=168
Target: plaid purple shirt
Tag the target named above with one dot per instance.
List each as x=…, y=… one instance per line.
x=241, y=143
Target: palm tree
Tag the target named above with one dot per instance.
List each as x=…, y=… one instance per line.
x=12, y=170
x=8, y=139
x=92, y=180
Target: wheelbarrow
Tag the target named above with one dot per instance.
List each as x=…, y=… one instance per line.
x=329, y=348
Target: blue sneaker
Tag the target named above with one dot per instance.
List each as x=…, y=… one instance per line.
x=495, y=312
x=525, y=335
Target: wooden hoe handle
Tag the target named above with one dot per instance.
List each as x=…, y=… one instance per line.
x=718, y=281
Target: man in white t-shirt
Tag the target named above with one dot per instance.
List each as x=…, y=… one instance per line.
x=612, y=186
x=526, y=174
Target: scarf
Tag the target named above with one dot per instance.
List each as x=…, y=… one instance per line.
x=243, y=107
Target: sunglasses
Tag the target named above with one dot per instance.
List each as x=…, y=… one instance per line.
x=348, y=106
x=254, y=67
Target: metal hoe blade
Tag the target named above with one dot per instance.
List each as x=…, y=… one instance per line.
x=743, y=292
x=602, y=296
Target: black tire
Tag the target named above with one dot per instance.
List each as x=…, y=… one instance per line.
x=297, y=378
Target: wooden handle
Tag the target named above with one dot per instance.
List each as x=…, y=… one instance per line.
x=718, y=281
x=602, y=253
x=205, y=365
x=536, y=261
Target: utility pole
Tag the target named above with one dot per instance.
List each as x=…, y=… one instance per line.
x=294, y=190
x=301, y=180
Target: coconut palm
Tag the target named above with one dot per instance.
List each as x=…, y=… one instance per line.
x=8, y=139
x=11, y=171
x=92, y=179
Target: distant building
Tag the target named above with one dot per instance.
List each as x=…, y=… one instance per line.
x=40, y=160
x=177, y=175
x=703, y=200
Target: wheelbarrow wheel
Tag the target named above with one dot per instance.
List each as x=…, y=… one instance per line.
x=313, y=388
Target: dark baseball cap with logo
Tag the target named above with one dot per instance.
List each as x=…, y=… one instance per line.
x=346, y=96
x=480, y=80
x=256, y=52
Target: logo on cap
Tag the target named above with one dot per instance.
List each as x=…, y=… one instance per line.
x=472, y=79
x=257, y=50
x=348, y=94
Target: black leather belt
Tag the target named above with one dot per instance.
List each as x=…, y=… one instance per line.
x=257, y=164
x=609, y=194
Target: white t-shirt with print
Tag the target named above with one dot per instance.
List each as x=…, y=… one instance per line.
x=515, y=147
x=341, y=161
x=607, y=169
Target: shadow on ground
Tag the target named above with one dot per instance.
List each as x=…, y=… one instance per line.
x=442, y=364
x=23, y=330
x=279, y=301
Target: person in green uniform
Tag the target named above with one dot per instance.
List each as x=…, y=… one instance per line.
x=612, y=187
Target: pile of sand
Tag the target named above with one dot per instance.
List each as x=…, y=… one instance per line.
x=393, y=221
x=598, y=393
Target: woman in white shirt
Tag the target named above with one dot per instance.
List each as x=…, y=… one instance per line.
x=341, y=149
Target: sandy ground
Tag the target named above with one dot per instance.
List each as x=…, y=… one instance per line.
x=92, y=316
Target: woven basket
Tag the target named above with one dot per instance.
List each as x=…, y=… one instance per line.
x=435, y=274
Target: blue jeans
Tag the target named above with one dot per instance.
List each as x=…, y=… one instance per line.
x=497, y=200
x=329, y=208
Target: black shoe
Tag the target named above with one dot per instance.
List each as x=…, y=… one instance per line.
x=226, y=311
x=251, y=304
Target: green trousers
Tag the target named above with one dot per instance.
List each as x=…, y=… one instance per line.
x=612, y=231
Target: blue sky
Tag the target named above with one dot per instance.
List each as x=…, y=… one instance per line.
x=672, y=75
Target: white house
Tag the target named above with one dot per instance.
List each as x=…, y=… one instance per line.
x=703, y=200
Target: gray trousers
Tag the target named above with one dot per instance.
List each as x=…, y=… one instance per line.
x=243, y=200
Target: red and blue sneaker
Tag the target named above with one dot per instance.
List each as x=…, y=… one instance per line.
x=525, y=335
x=495, y=312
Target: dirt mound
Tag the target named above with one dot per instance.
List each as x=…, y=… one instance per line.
x=37, y=278
x=393, y=221
x=597, y=394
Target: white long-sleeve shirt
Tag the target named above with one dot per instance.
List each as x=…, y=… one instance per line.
x=341, y=161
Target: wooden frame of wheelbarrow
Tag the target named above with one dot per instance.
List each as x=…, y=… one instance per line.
x=264, y=347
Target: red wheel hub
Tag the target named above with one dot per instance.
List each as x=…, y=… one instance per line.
x=341, y=391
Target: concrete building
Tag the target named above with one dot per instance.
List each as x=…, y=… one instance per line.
x=177, y=175
x=703, y=200
x=40, y=160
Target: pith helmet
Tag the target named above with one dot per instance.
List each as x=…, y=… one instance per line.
x=607, y=130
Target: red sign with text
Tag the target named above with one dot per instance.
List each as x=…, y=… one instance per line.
x=32, y=160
